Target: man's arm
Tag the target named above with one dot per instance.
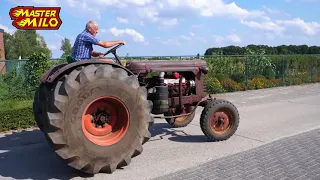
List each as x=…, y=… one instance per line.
x=96, y=54
x=109, y=43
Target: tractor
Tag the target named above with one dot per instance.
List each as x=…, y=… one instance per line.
x=96, y=115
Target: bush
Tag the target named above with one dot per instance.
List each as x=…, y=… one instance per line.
x=293, y=81
x=238, y=77
x=304, y=76
x=262, y=82
x=16, y=115
x=315, y=79
x=34, y=68
x=220, y=77
x=12, y=87
x=231, y=86
x=213, y=86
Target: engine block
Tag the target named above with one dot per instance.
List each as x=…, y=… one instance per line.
x=173, y=87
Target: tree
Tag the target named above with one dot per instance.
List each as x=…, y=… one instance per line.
x=9, y=47
x=269, y=50
x=66, y=48
x=23, y=43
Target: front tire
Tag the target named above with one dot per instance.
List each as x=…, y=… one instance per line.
x=98, y=118
x=219, y=120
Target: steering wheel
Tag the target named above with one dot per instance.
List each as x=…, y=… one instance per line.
x=114, y=52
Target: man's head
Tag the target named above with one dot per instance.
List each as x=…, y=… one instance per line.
x=92, y=27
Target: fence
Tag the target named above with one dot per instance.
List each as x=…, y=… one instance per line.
x=242, y=69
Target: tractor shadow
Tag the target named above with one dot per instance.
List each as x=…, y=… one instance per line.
x=26, y=155
x=162, y=131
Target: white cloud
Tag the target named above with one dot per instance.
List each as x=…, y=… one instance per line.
x=266, y=25
x=171, y=41
x=7, y=29
x=202, y=39
x=164, y=12
x=39, y=2
x=151, y=14
x=186, y=38
x=137, y=37
x=234, y=38
x=169, y=22
x=191, y=34
x=218, y=38
x=122, y=20
x=168, y=13
x=309, y=28
x=273, y=11
x=58, y=36
x=53, y=47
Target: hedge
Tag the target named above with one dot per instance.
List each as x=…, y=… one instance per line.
x=15, y=115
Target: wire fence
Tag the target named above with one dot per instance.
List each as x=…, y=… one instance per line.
x=232, y=72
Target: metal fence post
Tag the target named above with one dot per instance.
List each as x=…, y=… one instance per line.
x=311, y=68
x=283, y=71
x=246, y=69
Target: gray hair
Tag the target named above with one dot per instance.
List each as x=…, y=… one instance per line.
x=91, y=24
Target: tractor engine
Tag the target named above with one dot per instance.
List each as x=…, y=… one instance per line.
x=161, y=88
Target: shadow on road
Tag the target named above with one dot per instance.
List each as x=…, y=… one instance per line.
x=161, y=131
x=26, y=155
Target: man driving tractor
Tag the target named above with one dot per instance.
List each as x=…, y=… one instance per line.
x=82, y=48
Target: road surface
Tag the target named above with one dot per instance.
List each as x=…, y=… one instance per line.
x=291, y=111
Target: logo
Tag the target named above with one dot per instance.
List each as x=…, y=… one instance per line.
x=39, y=18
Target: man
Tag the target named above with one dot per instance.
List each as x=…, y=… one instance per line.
x=83, y=50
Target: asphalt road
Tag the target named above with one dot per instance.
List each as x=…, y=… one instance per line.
x=291, y=110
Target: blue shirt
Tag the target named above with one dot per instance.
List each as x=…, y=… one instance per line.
x=82, y=47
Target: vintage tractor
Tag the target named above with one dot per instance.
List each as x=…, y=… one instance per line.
x=96, y=115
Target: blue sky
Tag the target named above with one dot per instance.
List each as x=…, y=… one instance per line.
x=180, y=27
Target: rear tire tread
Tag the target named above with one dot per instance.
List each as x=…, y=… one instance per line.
x=53, y=115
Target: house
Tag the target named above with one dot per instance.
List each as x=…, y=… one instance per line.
x=2, y=57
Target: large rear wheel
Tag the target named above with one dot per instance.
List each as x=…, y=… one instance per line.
x=98, y=118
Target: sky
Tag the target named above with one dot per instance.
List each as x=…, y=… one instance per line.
x=180, y=27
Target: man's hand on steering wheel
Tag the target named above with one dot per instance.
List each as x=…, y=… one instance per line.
x=101, y=55
x=122, y=42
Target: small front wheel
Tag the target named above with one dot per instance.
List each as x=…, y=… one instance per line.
x=181, y=121
x=219, y=120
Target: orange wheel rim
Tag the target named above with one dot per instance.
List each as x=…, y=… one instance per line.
x=105, y=120
x=221, y=122
x=182, y=118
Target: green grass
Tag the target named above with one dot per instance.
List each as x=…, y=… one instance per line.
x=16, y=114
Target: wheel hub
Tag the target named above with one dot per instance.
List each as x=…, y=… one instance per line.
x=101, y=118
x=105, y=120
x=220, y=122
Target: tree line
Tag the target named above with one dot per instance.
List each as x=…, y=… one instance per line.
x=269, y=50
x=22, y=43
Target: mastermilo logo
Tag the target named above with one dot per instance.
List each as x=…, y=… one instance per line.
x=29, y=17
